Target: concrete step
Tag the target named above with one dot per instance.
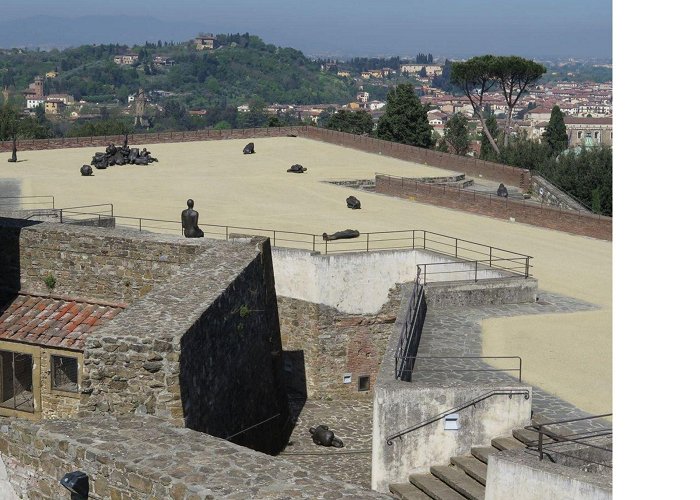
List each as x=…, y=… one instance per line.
x=483, y=452
x=470, y=465
x=406, y=491
x=529, y=437
x=433, y=487
x=507, y=443
x=456, y=479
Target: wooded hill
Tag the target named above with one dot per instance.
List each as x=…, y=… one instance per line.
x=243, y=66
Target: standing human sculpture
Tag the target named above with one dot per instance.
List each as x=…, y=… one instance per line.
x=190, y=221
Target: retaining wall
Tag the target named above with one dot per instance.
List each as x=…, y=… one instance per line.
x=514, y=474
x=322, y=344
x=580, y=223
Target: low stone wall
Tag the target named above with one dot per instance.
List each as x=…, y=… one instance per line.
x=144, y=457
x=201, y=349
x=354, y=282
x=580, y=223
x=91, y=262
x=515, y=474
x=399, y=405
x=322, y=344
x=496, y=291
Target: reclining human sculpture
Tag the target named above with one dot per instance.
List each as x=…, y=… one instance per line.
x=348, y=233
x=502, y=191
x=121, y=155
x=297, y=169
x=323, y=436
x=353, y=202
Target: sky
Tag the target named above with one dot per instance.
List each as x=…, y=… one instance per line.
x=445, y=28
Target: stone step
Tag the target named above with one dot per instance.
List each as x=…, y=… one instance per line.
x=475, y=468
x=483, y=452
x=507, y=443
x=528, y=437
x=406, y=491
x=434, y=488
x=456, y=479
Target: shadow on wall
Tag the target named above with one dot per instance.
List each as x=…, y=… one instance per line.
x=10, y=230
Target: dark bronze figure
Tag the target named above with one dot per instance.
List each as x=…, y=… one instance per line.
x=86, y=170
x=348, y=233
x=323, y=436
x=190, y=219
x=353, y=202
x=13, y=158
x=249, y=149
x=502, y=191
x=297, y=169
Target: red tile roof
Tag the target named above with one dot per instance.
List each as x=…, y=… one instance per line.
x=52, y=321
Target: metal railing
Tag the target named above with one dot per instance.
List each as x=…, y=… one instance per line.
x=432, y=359
x=463, y=250
x=581, y=438
x=472, y=402
x=410, y=332
x=475, y=270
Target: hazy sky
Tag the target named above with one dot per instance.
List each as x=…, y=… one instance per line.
x=453, y=28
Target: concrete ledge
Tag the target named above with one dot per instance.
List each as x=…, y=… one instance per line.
x=520, y=474
x=492, y=291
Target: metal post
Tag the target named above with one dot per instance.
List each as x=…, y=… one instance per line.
x=490, y=256
x=274, y=237
x=368, y=242
x=326, y=241
x=139, y=223
x=60, y=216
x=539, y=441
x=414, y=239
x=527, y=267
x=476, y=270
x=313, y=243
x=226, y=233
x=455, y=248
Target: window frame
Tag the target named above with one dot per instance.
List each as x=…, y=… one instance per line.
x=78, y=367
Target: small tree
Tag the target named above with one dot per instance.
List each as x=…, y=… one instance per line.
x=555, y=133
x=457, y=134
x=405, y=119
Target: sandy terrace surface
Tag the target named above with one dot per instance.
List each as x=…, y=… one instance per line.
x=567, y=354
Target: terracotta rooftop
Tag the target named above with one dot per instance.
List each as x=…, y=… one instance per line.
x=53, y=321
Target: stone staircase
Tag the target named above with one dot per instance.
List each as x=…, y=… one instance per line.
x=465, y=477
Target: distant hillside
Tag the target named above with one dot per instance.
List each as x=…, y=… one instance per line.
x=243, y=66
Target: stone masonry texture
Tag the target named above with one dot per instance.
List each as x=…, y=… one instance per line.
x=331, y=343
x=144, y=457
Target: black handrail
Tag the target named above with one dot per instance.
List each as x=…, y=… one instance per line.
x=252, y=427
x=578, y=438
x=472, y=402
x=408, y=330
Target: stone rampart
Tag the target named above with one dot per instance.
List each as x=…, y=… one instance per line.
x=322, y=344
x=144, y=457
x=91, y=262
x=202, y=349
x=580, y=222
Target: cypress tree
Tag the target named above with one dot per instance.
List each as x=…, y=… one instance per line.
x=405, y=119
x=555, y=132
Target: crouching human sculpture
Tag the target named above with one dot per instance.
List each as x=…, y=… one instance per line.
x=297, y=169
x=502, y=191
x=86, y=170
x=190, y=219
x=249, y=149
x=348, y=233
x=323, y=436
x=352, y=202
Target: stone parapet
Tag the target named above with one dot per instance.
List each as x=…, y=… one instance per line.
x=144, y=457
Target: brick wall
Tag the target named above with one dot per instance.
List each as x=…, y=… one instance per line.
x=335, y=343
x=580, y=223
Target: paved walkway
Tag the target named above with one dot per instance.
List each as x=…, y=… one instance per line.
x=351, y=421
x=455, y=332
